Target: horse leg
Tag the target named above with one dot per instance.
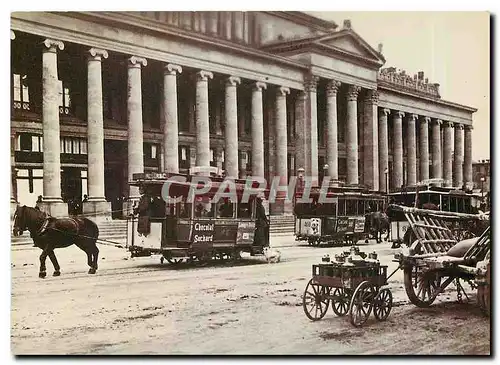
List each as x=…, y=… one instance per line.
x=43, y=270
x=57, y=268
x=95, y=256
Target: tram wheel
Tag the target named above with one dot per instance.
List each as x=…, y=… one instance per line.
x=383, y=304
x=315, y=300
x=340, y=301
x=361, y=303
x=174, y=260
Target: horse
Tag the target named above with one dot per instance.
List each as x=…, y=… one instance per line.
x=378, y=223
x=49, y=233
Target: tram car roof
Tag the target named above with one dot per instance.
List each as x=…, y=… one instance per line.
x=153, y=182
x=345, y=190
x=430, y=189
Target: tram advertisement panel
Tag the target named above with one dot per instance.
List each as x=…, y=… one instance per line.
x=246, y=231
x=305, y=224
x=202, y=234
x=359, y=225
x=343, y=225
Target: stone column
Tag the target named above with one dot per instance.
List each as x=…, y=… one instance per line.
x=468, y=157
x=424, y=148
x=135, y=137
x=257, y=130
x=96, y=204
x=411, y=151
x=231, y=128
x=397, y=150
x=311, y=127
x=448, y=154
x=458, y=158
x=171, y=128
x=383, y=154
x=13, y=200
x=202, y=121
x=351, y=136
x=212, y=23
x=281, y=147
x=301, y=148
x=370, y=139
x=238, y=21
x=52, y=202
x=332, y=147
x=436, y=149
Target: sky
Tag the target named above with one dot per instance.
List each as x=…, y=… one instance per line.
x=452, y=48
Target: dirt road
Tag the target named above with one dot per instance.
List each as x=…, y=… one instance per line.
x=137, y=306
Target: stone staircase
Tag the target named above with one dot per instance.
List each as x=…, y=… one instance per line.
x=282, y=224
x=113, y=230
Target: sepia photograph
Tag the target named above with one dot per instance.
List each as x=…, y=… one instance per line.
x=249, y=182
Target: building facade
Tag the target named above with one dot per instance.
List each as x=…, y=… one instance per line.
x=98, y=96
x=481, y=174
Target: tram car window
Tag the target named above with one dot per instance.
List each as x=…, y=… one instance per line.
x=244, y=210
x=341, y=207
x=225, y=208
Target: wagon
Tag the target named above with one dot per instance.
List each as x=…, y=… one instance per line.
x=352, y=284
x=433, y=257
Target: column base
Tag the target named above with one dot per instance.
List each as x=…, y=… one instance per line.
x=55, y=207
x=97, y=210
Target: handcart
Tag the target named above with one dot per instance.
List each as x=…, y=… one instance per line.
x=352, y=284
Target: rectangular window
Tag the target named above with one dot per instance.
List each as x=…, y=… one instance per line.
x=25, y=142
x=75, y=143
x=211, y=155
x=35, y=143
x=64, y=99
x=67, y=145
x=20, y=92
x=153, y=151
x=83, y=146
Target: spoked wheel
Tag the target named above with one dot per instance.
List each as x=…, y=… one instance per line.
x=362, y=303
x=382, y=305
x=315, y=301
x=204, y=257
x=422, y=287
x=175, y=260
x=340, y=301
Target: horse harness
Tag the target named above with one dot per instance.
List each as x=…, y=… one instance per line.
x=46, y=222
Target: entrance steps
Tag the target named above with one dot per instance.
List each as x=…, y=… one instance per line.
x=282, y=224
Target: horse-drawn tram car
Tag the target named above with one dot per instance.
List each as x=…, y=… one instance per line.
x=336, y=214
x=188, y=221
x=428, y=196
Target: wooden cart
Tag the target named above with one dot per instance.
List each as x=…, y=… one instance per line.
x=432, y=259
x=354, y=288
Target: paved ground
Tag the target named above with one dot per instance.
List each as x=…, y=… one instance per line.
x=138, y=306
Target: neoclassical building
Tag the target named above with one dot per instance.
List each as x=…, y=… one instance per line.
x=98, y=96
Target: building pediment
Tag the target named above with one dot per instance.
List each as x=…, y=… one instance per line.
x=345, y=44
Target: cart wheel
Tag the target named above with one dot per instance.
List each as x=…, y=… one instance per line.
x=315, y=301
x=340, y=302
x=422, y=288
x=361, y=303
x=383, y=304
x=174, y=261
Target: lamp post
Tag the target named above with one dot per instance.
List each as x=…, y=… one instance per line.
x=386, y=172
x=482, y=186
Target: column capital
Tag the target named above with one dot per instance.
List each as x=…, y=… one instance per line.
x=136, y=61
x=332, y=87
x=384, y=112
x=12, y=35
x=233, y=81
x=372, y=97
x=352, y=92
x=468, y=127
x=424, y=119
x=203, y=75
x=399, y=114
x=437, y=122
x=52, y=45
x=258, y=86
x=311, y=83
x=412, y=117
x=96, y=54
x=282, y=91
x=172, y=69
x=448, y=124
x=459, y=126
